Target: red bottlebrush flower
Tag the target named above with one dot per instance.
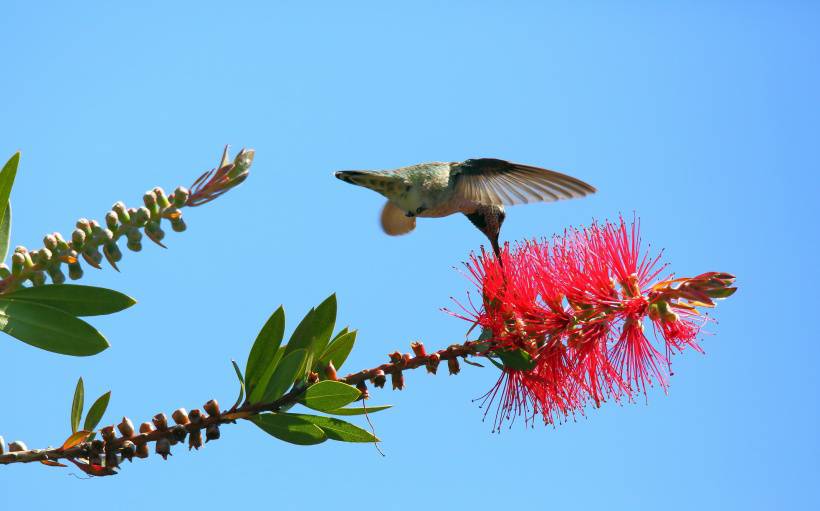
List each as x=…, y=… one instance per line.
x=564, y=320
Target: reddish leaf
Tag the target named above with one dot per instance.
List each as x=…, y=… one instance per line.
x=52, y=463
x=94, y=470
x=75, y=439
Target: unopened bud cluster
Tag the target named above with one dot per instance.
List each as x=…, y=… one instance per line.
x=93, y=241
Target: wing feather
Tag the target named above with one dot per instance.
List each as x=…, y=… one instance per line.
x=492, y=181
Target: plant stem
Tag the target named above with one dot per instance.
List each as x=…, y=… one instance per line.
x=247, y=409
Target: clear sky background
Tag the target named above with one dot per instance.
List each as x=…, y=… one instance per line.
x=701, y=117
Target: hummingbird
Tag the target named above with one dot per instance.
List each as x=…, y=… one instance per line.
x=478, y=188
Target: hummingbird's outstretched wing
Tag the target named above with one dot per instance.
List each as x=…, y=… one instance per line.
x=395, y=222
x=491, y=181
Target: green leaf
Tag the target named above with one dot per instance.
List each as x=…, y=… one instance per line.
x=96, y=412
x=264, y=350
x=314, y=331
x=75, y=299
x=290, y=428
x=359, y=410
x=285, y=374
x=77, y=406
x=340, y=333
x=49, y=328
x=329, y=395
x=241, y=384
x=495, y=362
x=259, y=389
x=5, y=233
x=722, y=293
x=337, y=429
x=516, y=359
x=338, y=350
x=7, y=176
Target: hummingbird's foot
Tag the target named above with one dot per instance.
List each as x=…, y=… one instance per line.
x=419, y=210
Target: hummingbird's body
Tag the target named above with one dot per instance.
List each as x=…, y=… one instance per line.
x=478, y=188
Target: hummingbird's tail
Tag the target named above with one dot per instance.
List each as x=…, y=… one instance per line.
x=376, y=181
x=351, y=176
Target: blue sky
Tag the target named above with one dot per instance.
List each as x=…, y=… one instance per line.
x=700, y=117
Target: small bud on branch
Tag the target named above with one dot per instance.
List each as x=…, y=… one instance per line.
x=92, y=242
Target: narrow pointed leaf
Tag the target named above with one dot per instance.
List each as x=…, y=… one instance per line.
x=75, y=299
x=5, y=234
x=77, y=406
x=358, y=410
x=290, y=428
x=7, y=175
x=337, y=429
x=340, y=333
x=52, y=463
x=49, y=328
x=241, y=384
x=96, y=412
x=76, y=438
x=516, y=359
x=495, y=362
x=259, y=389
x=285, y=374
x=329, y=395
x=338, y=350
x=264, y=349
x=314, y=331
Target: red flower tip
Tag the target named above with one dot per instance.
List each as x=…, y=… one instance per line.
x=574, y=308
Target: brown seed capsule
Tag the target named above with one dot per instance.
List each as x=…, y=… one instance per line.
x=405, y=359
x=179, y=433
x=212, y=432
x=17, y=446
x=379, y=379
x=432, y=363
x=180, y=416
x=195, y=439
x=142, y=451
x=313, y=377
x=195, y=416
x=418, y=349
x=397, y=379
x=128, y=450
x=330, y=371
x=212, y=407
x=108, y=433
x=126, y=427
x=111, y=459
x=161, y=421
x=163, y=448
x=146, y=427
x=97, y=445
x=452, y=366
x=395, y=357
